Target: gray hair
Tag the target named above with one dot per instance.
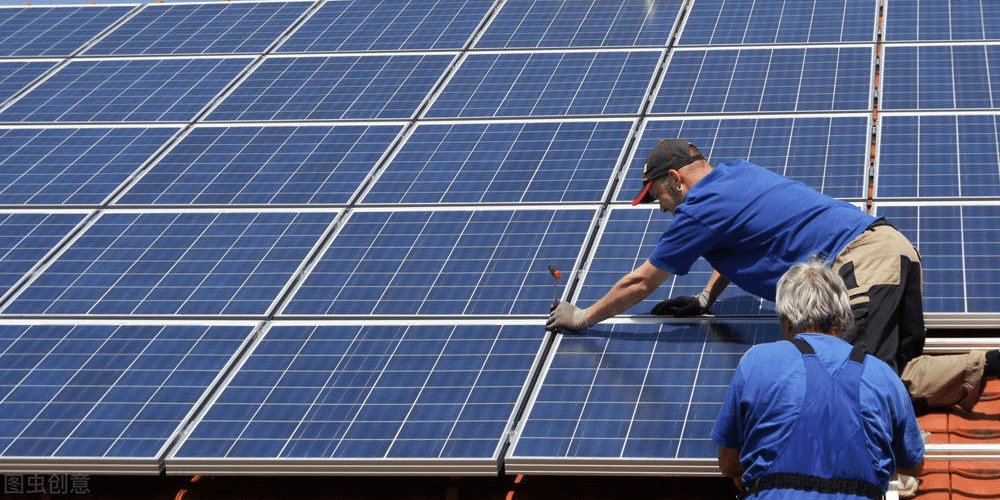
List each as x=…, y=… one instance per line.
x=812, y=297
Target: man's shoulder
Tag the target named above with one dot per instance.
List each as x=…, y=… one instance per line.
x=874, y=367
x=770, y=356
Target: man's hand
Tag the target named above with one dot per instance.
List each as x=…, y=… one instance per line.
x=685, y=306
x=566, y=316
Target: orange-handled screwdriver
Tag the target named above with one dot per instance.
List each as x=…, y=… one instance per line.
x=554, y=271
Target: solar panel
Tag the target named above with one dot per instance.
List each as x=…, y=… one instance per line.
x=53, y=31
x=830, y=154
x=938, y=156
x=126, y=90
x=16, y=76
x=626, y=240
x=217, y=28
x=365, y=196
x=759, y=80
x=725, y=22
x=334, y=88
x=103, y=398
x=443, y=262
x=958, y=244
x=946, y=20
x=538, y=84
x=175, y=263
x=28, y=237
x=438, y=399
x=260, y=164
x=362, y=25
x=632, y=398
x=939, y=77
x=505, y=162
x=72, y=166
x=581, y=23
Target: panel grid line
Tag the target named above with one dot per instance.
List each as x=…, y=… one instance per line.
x=690, y=403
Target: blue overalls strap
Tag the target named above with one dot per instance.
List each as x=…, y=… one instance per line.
x=826, y=450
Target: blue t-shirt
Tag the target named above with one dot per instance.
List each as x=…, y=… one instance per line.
x=767, y=391
x=752, y=224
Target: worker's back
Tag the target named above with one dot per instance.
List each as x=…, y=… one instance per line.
x=818, y=420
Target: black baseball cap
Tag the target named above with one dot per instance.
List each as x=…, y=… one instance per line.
x=669, y=154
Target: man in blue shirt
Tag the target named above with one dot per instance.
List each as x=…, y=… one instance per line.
x=811, y=413
x=752, y=225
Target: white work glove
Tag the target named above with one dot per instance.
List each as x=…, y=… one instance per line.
x=567, y=316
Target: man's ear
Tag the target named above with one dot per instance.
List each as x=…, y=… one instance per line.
x=674, y=178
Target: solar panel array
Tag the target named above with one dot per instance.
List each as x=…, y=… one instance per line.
x=314, y=236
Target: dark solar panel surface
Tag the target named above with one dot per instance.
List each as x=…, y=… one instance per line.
x=937, y=77
x=102, y=391
x=362, y=25
x=393, y=393
x=16, y=76
x=72, y=166
x=265, y=165
x=123, y=90
x=54, y=31
x=623, y=392
x=334, y=88
x=443, y=262
x=504, y=163
x=755, y=80
x=958, y=245
x=938, y=157
x=581, y=23
x=947, y=20
x=170, y=263
x=204, y=28
x=540, y=84
x=26, y=238
x=724, y=22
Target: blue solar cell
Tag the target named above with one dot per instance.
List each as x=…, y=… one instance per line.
x=334, y=88
x=766, y=80
x=72, y=166
x=958, y=246
x=791, y=21
x=261, y=165
x=940, y=77
x=126, y=90
x=504, y=162
x=945, y=20
x=622, y=392
x=389, y=25
x=443, y=262
x=379, y=392
x=104, y=391
x=53, y=31
x=15, y=76
x=167, y=263
x=27, y=237
x=938, y=156
x=830, y=154
x=220, y=28
x=625, y=243
x=547, y=84
x=581, y=23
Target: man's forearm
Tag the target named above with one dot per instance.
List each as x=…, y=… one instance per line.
x=716, y=284
x=629, y=291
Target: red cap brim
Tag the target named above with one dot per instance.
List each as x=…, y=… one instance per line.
x=641, y=198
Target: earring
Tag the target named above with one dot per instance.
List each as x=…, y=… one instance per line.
x=678, y=188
